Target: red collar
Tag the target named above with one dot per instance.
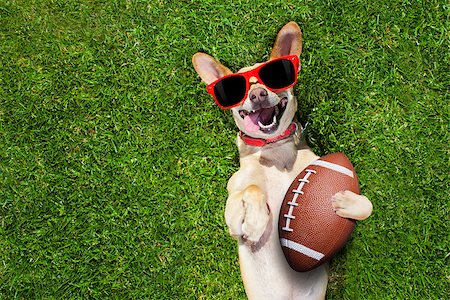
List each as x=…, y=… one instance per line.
x=257, y=142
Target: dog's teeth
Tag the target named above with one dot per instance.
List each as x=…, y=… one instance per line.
x=274, y=121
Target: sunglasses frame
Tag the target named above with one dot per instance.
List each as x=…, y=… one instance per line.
x=294, y=59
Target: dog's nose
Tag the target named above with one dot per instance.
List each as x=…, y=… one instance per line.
x=258, y=95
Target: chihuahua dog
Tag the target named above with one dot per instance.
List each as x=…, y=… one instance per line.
x=272, y=154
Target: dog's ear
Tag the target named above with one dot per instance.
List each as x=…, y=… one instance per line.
x=288, y=42
x=208, y=68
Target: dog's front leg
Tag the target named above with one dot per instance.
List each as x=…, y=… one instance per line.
x=247, y=213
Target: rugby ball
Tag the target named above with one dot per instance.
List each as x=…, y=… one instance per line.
x=310, y=231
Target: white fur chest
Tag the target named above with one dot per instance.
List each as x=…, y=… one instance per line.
x=278, y=181
x=276, y=186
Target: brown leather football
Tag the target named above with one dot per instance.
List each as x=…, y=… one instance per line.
x=310, y=231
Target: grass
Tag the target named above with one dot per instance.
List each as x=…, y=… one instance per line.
x=114, y=159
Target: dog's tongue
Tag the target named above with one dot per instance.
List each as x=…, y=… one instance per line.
x=251, y=123
x=263, y=115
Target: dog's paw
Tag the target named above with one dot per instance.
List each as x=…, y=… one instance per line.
x=350, y=205
x=257, y=214
x=234, y=215
x=247, y=214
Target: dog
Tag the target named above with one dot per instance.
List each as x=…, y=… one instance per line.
x=272, y=153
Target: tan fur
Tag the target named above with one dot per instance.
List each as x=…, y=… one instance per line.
x=256, y=191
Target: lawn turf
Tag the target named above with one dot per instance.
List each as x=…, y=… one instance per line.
x=114, y=159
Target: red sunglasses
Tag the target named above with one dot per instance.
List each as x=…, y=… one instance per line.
x=277, y=75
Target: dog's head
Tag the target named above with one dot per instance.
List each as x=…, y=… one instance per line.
x=263, y=113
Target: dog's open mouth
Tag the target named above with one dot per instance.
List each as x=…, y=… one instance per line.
x=264, y=119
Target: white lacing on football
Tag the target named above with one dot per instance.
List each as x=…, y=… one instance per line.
x=298, y=191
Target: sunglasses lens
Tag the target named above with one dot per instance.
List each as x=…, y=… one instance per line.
x=278, y=74
x=230, y=90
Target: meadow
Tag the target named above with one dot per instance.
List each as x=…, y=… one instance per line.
x=114, y=159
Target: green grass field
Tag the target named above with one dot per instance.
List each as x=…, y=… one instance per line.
x=114, y=159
